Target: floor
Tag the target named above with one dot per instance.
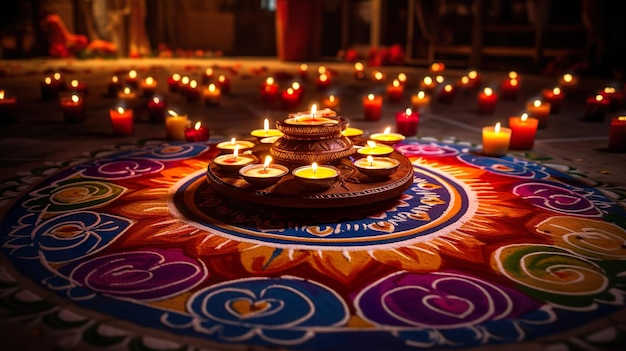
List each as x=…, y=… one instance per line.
x=39, y=136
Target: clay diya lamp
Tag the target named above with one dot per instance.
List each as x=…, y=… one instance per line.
x=377, y=167
x=266, y=132
x=263, y=175
x=375, y=149
x=387, y=137
x=352, y=132
x=232, y=163
x=316, y=177
x=229, y=146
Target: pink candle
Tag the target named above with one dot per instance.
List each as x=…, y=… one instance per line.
x=617, y=134
x=523, y=131
x=372, y=106
x=487, y=100
x=122, y=121
x=407, y=122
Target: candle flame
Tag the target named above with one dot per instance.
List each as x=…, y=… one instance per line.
x=313, y=110
x=408, y=112
x=556, y=91
x=304, y=67
x=149, y=80
x=211, y=87
x=513, y=75
x=358, y=66
x=193, y=84
x=421, y=94
x=323, y=77
x=120, y=110
x=132, y=74
x=568, y=78
x=621, y=118
x=236, y=152
x=295, y=86
x=74, y=83
x=609, y=90
x=172, y=113
x=221, y=78
x=321, y=70
x=127, y=90
x=370, y=97
x=465, y=80
x=75, y=98
x=114, y=79
x=269, y=81
x=266, y=125
x=387, y=130
x=57, y=76
x=448, y=88
x=402, y=77
x=537, y=103
x=47, y=80
x=176, y=77
x=156, y=100
x=331, y=98
x=371, y=143
x=290, y=91
x=268, y=160
x=488, y=91
x=185, y=80
x=472, y=74
x=497, y=128
x=314, y=167
x=428, y=80
x=513, y=82
x=396, y=83
x=524, y=117
x=378, y=75
x=599, y=97
x=198, y=125
x=436, y=67
x=208, y=72
x=1, y=94
x=439, y=79
x=233, y=141
x=370, y=160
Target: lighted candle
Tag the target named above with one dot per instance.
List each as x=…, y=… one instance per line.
x=331, y=102
x=387, y=137
x=193, y=91
x=509, y=88
x=395, y=91
x=183, y=85
x=303, y=71
x=227, y=146
x=437, y=67
x=428, y=84
x=197, y=133
x=568, y=82
x=496, y=140
x=464, y=84
x=523, y=131
x=323, y=82
x=263, y=174
x=211, y=95
x=540, y=110
x=402, y=78
x=234, y=162
x=474, y=78
x=121, y=121
x=114, y=86
x=316, y=175
x=377, y=167
x=420, y=101
x=446, y=95
x=59, y=81
x=7, y=107
x=156, y=109
x=372, y=106
x=132, y=80
x=266, y=131
x=175, y=125
x=298, y=90
x=173, y=82
x=128, y=98
x=554, y=97
x=596, y=108
x=224, y=84
x=312, y=118
x=73, y=109
x=407, y=122
x=352, y=132
x=614, y=96
x=148, y=87
x=375, y=149
x=359, y=70
x=78, y=87
x=207, y=75
x=49, y=89
x=378, y=76
x=269, y=90
x=617, y=134
x=289, y=99
x=487, y=100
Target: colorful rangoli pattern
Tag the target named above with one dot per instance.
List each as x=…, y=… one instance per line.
x=479, y=251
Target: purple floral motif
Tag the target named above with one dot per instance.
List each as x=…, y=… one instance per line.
x=507, y=166
x=146, y=275
x=557, y=198
x=439, y=300
x=430, y=149
x=120, y=169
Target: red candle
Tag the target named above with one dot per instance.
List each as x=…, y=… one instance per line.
x=289, y=99
x=49, y=88
x=487, y=100
x=132, y=79
x=148, y=87
x=617, y=134
x=359, y=71
x=523, y=131
x=303, y=71
x=197, y=133
x=114, y=86
x=207, y=76
x=269, y=90
x=7, y=107
x=173, y=82
x=78, y=87
x=446, y=95
x=474, y=78
x=509, y=88
x=596, y=108
x=407, y=122
x=298, y=90
x=224, y=84
x=331, y=102
x=614, y=97
x=156, y=109
x=193, y=91
x=323, y=82
x=59, y=81
x=73, y=109
x=395, y=90
x=121, y=121
x=554, y=97
x=372, y=106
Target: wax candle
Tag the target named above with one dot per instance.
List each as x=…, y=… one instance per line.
x=523, y=131
x=437, y=67
x=372, y=106
x=463, y=84
x=509, y=88
x=407, y=122
x=148, y=87
x=207, y=76
x=59, y=81
x=73, y=108
x=568, y=82
x=298, y=90
x=428, y=84
x=323, y=82
x=596, y=108
x=234, y=162
x=224, y=84
x=377, y=167
x=173, y=82
x=387, y=137
x=266, y=131
x=359, y=71
x=420, y=101
x=446, y=95
x=194, y=93
x=226, y=146
x=617, y=134
x=49, y=88
x=183, y=85
x=378, y=76
x=496, y=140
x=78, y=87
x=156, y=109
x=175, y=125
x=614, y=96
x=331, y=101
x=303, y=71
x=474, y=78
x=316, y=176
x=289, y=99
x=211, y=95
x=128, y=98
x=197, y=133
x=540, y=110
x=114, y=86
x=554, y=97
x=487, y=100
x=395, y=91
x=263, y=174
x=269, y=90
x=375, y=149
x=7, y=107
x=132, y=79
x=121, y=120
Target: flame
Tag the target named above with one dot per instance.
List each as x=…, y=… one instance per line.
x=156, y=100
x=488, y=91
x=358, y=66
x=268, y=160
x=370, y=97
x=127, y=90
x=233, y=141
x=236, y=152
x=428, y=80
x=304, y=67
x=402, y=77
x=448, y=87
x=524, y=117
x=295, y=85
x=313, y=110
x=472, y=74
x=75, y=98
x=599, y=97
x=120, y=110
x=396, y=83
x=114, y=79
x=314, y=167
x=568, y=78
x=198, y=125
x=497, y=128
x=132, y=74
x=439, y=79
x=266, y=124
x=269, y=81
x=537, y=103
x=408, y=112
x=371, y=143
x=172, y=113
x=513, y=75
x=387, y=130
x=176, y=77
x=421, y=94
x=370, y=160
x=149, y=81
x=378, y=75
x=465, y=80
x=556, y=91
x=211, y=87
x=208, y=72
x=74, y=83
x=1, y=94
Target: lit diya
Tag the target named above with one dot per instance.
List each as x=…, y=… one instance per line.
x=377, y=167
x=315, y=176
x=352, y=132
x=375, y=149
x=266, y=131
x=387, y=137
x=228, y=146
x=265, y=174
x=234, y=162
x=308, y=119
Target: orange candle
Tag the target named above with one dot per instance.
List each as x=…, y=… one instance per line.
x=122, y=121
x=211, y=95
x=540, y=110
x=496, y=140
x=372, y=106
x=420, y=101
x=331, y=102
x=523, y=131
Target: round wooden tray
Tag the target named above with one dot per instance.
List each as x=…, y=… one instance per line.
x=353, y=187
